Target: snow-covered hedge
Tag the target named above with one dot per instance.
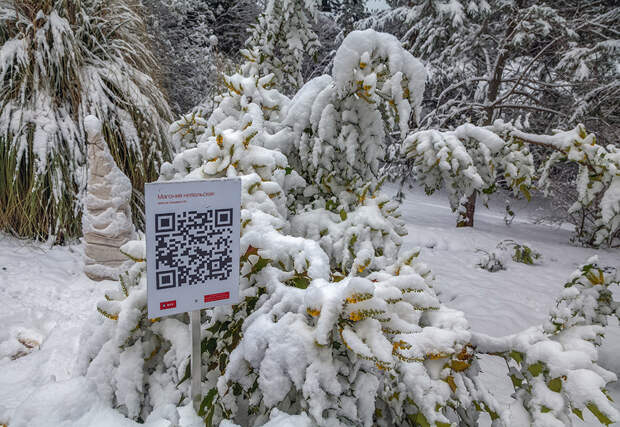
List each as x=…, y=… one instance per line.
x=335, y=323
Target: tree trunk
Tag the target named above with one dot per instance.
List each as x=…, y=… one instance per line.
x=466, y=219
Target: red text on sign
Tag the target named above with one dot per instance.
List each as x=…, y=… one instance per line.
x=167, y=304
x=217, y=297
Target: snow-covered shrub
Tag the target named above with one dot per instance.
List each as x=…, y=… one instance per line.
x=339, y=121
x=520, y=252
x=59, y=62
x=596, y=211
x=553, y=368
x=466, y=161
x=586, y=299
x=492, y=261
x=334, y=323
x=284, y=36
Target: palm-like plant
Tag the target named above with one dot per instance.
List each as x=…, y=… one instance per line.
x=61, y=60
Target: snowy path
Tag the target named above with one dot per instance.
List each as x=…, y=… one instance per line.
x=46, y=301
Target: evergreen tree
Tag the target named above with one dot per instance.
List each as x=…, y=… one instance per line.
x=232, y=18
x=60, y=62
x=284, y=36
x=186, y=47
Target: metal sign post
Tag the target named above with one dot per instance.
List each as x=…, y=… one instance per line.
x=194, y=322
x=192, y=252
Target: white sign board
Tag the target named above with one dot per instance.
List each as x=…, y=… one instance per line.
x=192, y=245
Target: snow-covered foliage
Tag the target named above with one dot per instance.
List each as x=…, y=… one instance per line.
x=492, y=261
x=59, y=62
x=586, y=299
x=489, y=59
x=597, y=205
x=553, y=368
x=521, y=252
x=345, y=13
x=467, y=160
x=539, y=66
x=247, y=94
x=334, y=324
x=339, y=122
x=282, y=38
x=496, y=259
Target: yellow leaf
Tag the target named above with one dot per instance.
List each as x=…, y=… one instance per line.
x=355, y=316
x=313, y=311
x=451, y=383
x=459, y=365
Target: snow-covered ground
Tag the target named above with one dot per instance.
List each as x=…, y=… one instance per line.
x=46, y=301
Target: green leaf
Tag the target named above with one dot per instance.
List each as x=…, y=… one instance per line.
x=518, y=357
x=260, y=264
x=421, y=420
x=213, y=329
x=288, y=170
x=223, y=360
x=516, y=382
x=494, y=416
x=208, y=345
x=207, y=402
x=343, y=215
x=209, y=418
x=237, y=389
x=555, y=384
x=187, y=372
x=544, y=409
x=578, y=413
x=603, y=419
x=440, y=424
x=251, y=302
x=489, y=190
x=301, y=282
x=525, y=192
x=535, y=369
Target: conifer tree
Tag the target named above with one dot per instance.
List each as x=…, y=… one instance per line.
x=282, y=38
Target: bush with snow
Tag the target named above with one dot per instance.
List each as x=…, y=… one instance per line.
x=334, y=322
x=520, y=252
x=492, y=261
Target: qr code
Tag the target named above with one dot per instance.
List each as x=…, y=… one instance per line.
x=192, y=247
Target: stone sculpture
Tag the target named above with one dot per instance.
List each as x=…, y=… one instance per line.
x=106, y=221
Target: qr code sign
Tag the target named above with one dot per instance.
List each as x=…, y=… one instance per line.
x=192, y=247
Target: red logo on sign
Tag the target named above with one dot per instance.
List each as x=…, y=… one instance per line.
x=217, y=297
x=167, y=304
